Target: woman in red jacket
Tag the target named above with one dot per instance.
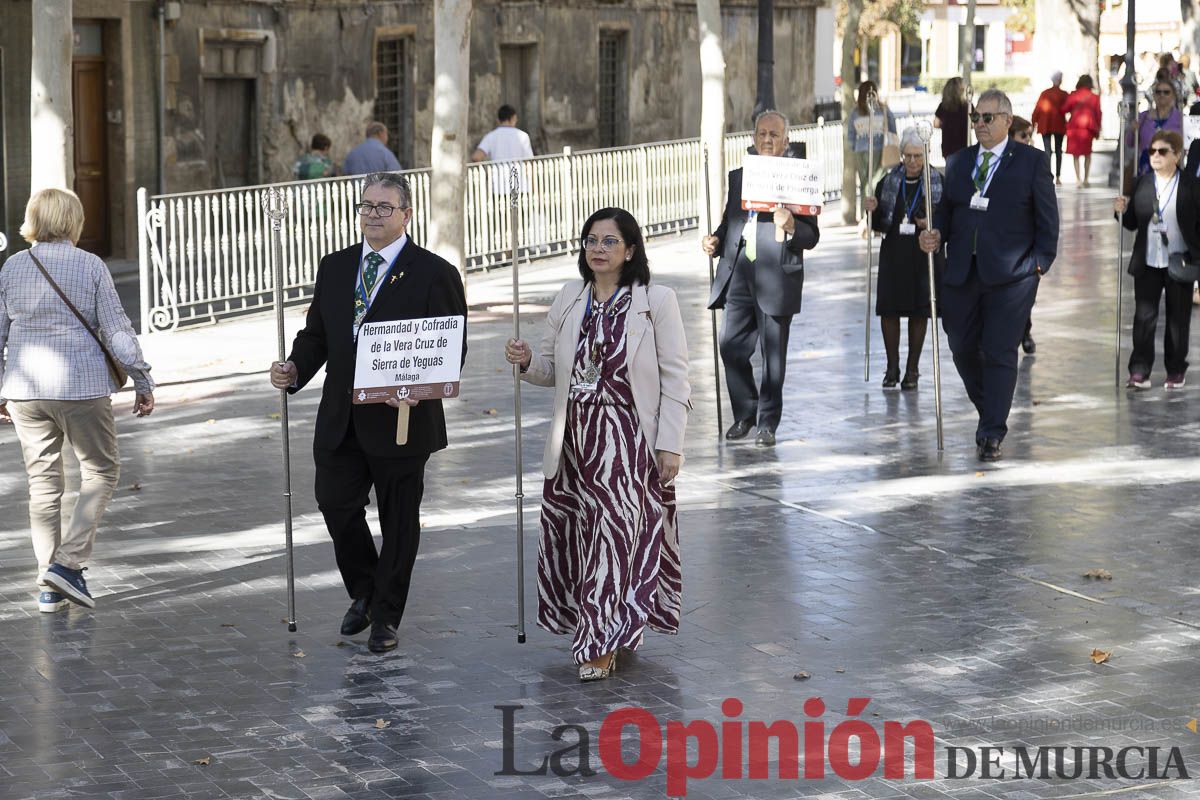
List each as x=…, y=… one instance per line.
x=1083, y=125
x=1050, y=121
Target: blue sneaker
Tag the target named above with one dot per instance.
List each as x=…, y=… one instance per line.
x=71, y=583
x=49, y=602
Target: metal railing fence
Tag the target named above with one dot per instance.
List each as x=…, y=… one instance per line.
x=204, y=256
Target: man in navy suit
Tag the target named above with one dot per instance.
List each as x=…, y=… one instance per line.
x=385, y=277
x=998, y=219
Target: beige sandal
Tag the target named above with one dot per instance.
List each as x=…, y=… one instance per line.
x=589, y=672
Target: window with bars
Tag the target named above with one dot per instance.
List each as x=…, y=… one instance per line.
x=394, y=94
x=613, y=90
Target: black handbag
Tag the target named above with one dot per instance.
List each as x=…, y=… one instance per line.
x=115, y=370
x=1181, y=267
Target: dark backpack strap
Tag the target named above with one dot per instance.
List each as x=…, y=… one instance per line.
x=108, y=356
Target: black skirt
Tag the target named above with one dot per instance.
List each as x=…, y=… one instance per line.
x=902, y=289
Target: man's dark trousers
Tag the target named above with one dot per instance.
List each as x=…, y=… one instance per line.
x=344, y=476
x=746, y=328
x=984, y=325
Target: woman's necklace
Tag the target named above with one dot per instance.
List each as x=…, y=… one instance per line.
x=608, y=308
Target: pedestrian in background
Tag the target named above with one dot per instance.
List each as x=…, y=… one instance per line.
x=372, y=155
x=1164, y=214
x=1164, y=116
x=316, y=163
x=1050, y=121
x=902, y=288
x=1188, y=83
x=615, y=353
x=868, y=131
x=951, y=117
x=1022, y=131
x=56, y=376
x=1083, y=125
x=505, y=142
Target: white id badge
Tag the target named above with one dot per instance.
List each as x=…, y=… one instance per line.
x=908, y=229
x=979, y=202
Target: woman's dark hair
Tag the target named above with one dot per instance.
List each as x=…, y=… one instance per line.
x=1172, y=138
x=864, y=88
x=1085, y=82
x=320, y=142
x=637, y=268
x=1020, y=124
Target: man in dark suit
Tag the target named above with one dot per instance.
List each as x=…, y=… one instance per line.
x=386, y=277
x=999, y=221
x=758, y=283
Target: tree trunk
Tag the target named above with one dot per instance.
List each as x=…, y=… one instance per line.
x=849, y=85
x=766, y=57
x=966, y=46
x=1071, y=44
x=712, y=109
x=451, y=67
x=52, y=159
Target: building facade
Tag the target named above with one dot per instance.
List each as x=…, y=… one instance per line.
x=224, y=93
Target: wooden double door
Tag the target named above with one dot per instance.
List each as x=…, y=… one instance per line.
x=89, y=93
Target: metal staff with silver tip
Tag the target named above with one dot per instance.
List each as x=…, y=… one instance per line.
x=925, y=131
x=872, y=107
x=275, y=206
x=514, y=199
x=1123, y=111
x=711, y=280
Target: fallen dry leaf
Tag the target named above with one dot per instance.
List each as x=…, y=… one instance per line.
x=978, y=474
x=275, y=415
x=491, y=412
x=228, y=625
x=210, y=422
x=203, y=762
x=840, y=669
x=298, y=654
x=342, y=644
x=801, y=676
x=1100, y=656
x=380, y=724
x=137, y=487
x=1100, y=574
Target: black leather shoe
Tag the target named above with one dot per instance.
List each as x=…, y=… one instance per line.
x=766, y=437
x=911, y=378
x=989, y=450
x=739, y=429
x=383, y=637
x=1027, y=344
x=357, y=619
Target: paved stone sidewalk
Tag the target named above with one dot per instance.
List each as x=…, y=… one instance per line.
x=941, y=589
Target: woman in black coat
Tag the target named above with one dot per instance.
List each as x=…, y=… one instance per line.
x=902, y=288
x=1163, y=213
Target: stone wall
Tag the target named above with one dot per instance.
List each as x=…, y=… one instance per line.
x=309, y=67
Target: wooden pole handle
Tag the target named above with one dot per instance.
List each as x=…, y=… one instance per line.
x=402, y=424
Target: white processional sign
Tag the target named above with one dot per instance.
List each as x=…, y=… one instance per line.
x=1191, y=132
x=417, y=359
x=770, y=181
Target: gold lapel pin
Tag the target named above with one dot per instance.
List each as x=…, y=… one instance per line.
x=394, y=277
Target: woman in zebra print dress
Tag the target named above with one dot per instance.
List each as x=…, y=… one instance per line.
x=615, y=353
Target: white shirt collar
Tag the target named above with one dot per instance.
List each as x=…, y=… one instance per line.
x=389, y=253
x=996, y=151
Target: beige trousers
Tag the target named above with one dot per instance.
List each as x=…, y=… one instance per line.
x=88, y=427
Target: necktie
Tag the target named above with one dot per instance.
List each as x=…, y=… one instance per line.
x=362, y=293
x=982, y=173
x=751, y=234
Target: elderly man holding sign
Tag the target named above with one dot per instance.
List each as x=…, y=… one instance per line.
x=761, y=241
x=388, y=323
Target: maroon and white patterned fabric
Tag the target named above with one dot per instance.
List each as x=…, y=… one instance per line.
x=608, y=565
